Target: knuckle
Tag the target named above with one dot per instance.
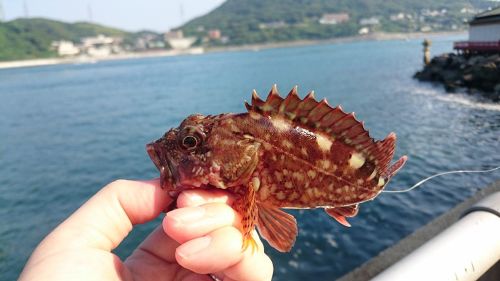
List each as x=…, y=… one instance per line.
x=117, y=183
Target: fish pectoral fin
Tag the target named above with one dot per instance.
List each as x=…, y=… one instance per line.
x=277, y=227
x=340, y=213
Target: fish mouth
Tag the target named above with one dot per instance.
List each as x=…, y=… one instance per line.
x=162, y=163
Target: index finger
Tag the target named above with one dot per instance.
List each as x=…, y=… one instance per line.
x=198, y=197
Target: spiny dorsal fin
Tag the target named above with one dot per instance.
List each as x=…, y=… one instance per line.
x=321, y=117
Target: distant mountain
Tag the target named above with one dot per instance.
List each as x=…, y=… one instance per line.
x=257, y=21
x=29, y=38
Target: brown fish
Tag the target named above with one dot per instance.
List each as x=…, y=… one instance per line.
x=282, y=153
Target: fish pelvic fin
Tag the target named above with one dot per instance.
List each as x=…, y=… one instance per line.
x=340, y=213
x=277, y=227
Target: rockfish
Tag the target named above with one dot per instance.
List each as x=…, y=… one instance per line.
x=281, y=153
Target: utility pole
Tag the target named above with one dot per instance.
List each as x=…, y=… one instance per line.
x=181, y=13
x=26, y=11
x=89, y=12
x=2, y=15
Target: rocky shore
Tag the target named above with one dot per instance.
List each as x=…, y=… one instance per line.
x=479, y=74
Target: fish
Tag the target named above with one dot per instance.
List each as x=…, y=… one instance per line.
x=282, y=153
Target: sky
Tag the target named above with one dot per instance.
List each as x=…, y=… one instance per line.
x=131, y=15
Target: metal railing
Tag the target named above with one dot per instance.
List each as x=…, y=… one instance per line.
x=464, y=251
x=477, y=46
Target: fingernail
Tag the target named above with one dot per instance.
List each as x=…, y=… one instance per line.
x=193, y=247
x=187, y=215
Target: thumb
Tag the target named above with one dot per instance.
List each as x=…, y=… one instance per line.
x=107, y=218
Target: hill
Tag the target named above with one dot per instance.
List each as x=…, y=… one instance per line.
x=32, y=38
x=256, y=21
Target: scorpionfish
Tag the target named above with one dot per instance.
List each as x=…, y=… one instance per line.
x=281, y=153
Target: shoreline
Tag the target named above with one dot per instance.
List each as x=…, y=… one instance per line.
x=381, y=36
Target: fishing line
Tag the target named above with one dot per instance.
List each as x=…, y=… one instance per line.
x=440, y=174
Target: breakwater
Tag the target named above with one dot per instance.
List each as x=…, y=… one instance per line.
x=478, y=73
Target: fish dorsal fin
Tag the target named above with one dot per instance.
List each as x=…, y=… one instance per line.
x=340, y=213
x=321, y=117
x=277, y=227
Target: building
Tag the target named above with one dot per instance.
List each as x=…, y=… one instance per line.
x=484, y=33
x=334, y=18
x=364, y=31
x=214, y=34
x=101, y=45
x=148, y=41
x=65, y=48
x=173, y=34
x=176, y=40
x=369, y=21
x=397, y=17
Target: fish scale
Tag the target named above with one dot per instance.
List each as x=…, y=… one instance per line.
x=282, y=153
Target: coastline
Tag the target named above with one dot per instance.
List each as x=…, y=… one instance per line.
x=378, y=36
x=381, y=36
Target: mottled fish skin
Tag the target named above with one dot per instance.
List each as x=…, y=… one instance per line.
x=282, y=153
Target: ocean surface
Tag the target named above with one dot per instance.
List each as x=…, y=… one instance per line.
x=68, y=130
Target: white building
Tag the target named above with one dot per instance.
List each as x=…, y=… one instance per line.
x=370, y=21
x=363, y=31
x=484, y=34
x=65, y=48
x=334, y=18
x=485, y=27
x=101, y=45
x=177, y=41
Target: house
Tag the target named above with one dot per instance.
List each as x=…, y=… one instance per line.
x=334, y=18
x=484, y=33
x=148, y=41
x=364, y=31
x=397, y=17
x=176, y=40
x=65, y=48
x=101, y=45
x=369, y=21
x=214, y=34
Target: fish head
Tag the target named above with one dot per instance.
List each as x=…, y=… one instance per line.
x=181, y=155
x=201, y=153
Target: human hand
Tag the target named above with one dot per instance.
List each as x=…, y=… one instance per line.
x=202, y=238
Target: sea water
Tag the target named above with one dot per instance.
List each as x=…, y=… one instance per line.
x=68, y=130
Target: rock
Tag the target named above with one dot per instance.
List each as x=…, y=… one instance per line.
x=497, y=88
x=477, y=72
x=467, y=77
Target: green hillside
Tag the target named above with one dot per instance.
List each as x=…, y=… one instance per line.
x=31, y=38
x=256, y=21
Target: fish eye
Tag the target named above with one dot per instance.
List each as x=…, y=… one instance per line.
x=189, y=142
